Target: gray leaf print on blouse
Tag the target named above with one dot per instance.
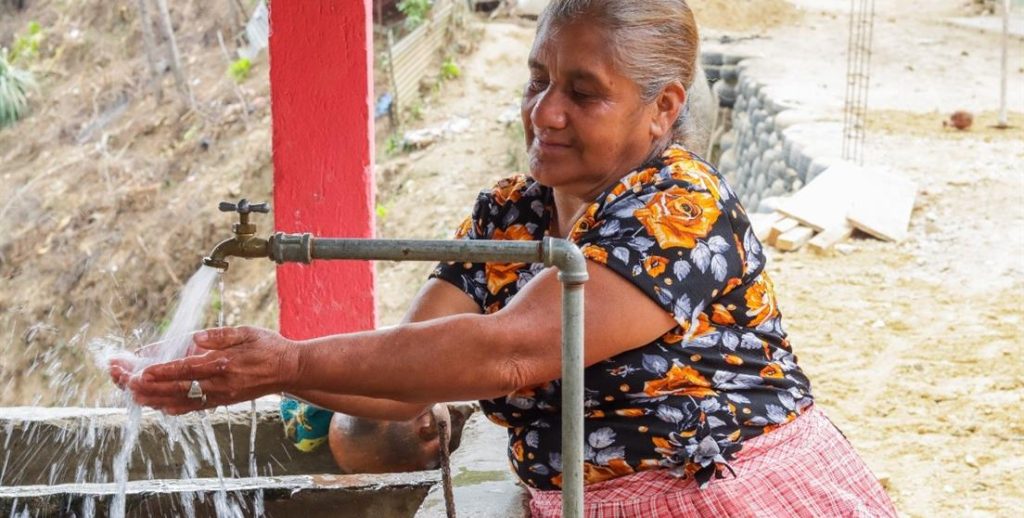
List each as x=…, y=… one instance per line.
x=670, y=414
x=641, y=244
x=730, y=340
x=622, y=254
x=720, y=267
x=718, y=244
x=655, y=364
x=681, y=269
x=701, y=256
x=606, y=455
x=601, y=438
x=610, y=228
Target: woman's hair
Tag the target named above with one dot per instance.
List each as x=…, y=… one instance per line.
x=655, y=41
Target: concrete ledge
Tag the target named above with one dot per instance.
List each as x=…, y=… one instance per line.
x=376, y=496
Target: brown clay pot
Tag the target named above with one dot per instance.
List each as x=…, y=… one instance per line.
x=370, y=446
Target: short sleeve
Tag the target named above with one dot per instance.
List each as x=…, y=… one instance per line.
x=469, y=277
x=673, y=240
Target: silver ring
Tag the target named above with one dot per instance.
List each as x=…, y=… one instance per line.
x=195, y=391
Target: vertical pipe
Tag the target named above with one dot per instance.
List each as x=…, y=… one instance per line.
x=1003, y=119
x=572, y=399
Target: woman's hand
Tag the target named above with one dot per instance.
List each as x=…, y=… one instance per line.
x=241, y=363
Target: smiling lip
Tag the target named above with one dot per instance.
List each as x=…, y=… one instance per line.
x=550, y=145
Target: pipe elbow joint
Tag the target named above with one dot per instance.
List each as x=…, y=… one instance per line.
x=567, y=257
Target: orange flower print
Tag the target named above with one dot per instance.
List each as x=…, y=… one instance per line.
x=500, y=275
x=595, y=253
x=772, y=370
x=615, y=468
x=508, y=190
x=518, y=450
x=677, y=217
x=721, y=315
x=631, y=181
x=655, y=265
x=513, y=233
x=464, y=228
x=732, y=359
x=584, y=224
x=680, y=381
x=760, y=297
x=693, y=171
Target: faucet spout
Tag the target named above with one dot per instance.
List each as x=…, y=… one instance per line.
x=239, y=246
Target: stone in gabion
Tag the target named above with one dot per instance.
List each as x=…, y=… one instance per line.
x=790, y=174
x=727, y=162
x=726, y=142
x=711, y=58
x=777, y=169
x=730, y=74
x=732, y=59
x=778, y=187
x=797, y=185
x=726, y=94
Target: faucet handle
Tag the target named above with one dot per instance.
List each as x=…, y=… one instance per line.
x=243, y=207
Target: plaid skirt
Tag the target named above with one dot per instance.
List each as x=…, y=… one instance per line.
x=804, y=468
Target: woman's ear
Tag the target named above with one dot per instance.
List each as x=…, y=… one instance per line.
x=667, y=107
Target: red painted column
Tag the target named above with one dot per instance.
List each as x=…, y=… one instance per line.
x=321, y=98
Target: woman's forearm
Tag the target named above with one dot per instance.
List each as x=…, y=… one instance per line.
x=460, y=357
x=359, y=406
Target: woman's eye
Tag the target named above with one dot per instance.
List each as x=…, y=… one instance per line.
x=536, y=85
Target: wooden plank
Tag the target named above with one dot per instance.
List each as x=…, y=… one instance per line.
x=781, y=227
x=792, y=240
x=762, y=223
x=824, y=241
x=825, y=202
x=884, y=212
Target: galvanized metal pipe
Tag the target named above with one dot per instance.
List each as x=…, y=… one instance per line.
x=572, y=273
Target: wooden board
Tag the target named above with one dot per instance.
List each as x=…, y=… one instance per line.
x=762, y=223
x=794, y=239
x=884, y=211
x=780, y=227
x=824, y=241
x=825, y=202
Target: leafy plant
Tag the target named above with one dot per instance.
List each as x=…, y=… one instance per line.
x=239, y=69
x=27, y=45
x=393, y=144
x=415, y=11
x=15, y=84
x=450, y=70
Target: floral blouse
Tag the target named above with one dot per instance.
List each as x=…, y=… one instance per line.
x=686, y=401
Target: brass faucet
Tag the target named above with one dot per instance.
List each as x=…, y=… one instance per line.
x=245, y=243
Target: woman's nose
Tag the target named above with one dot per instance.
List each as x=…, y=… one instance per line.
x=548, y=111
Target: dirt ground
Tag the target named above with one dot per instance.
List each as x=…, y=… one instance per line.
x=914, y=349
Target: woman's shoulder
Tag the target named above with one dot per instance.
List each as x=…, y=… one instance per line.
x=515, y=204
x=512, y=190
x=676, y=171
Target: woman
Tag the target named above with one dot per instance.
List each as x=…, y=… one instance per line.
x=695, y=403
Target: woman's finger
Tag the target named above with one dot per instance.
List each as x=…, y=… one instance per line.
x=142, y=388
x=187, y=369
x=225, y=337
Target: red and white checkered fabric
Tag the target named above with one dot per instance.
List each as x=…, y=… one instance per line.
x=803, y=469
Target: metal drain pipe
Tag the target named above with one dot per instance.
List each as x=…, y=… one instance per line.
x=572, y=273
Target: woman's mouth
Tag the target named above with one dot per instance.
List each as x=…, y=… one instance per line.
x=550, y=145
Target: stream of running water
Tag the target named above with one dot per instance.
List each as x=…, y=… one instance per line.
x=174, y=343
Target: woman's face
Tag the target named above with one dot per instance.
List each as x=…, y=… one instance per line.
x=585, y=122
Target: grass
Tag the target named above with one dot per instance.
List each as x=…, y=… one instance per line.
x=15, y=85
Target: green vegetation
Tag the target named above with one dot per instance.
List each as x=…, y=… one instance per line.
x=26, y=46
x=415, y=11
x=450, y=70
x=15, y=84
x=239, y=69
